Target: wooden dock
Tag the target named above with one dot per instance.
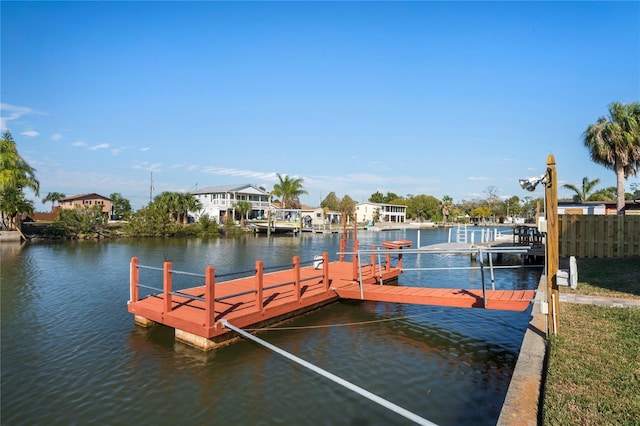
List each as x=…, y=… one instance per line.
x=262, y=299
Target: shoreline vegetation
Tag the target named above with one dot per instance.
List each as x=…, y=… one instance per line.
x=593, y=374
x=43, y=230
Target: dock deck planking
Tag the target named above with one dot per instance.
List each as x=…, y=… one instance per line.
x=280, y=303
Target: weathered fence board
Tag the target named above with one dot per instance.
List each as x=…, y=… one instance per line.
x=599, y=235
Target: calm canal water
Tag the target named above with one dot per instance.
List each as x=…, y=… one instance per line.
x=71, y=354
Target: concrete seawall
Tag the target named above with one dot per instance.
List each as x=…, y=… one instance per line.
x=10, y=236
x=523, y=403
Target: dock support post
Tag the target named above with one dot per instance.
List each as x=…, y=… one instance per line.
x=134, y=279
x=210, y=294
x=387, y=259
x=296, y=276
x=167, y=286
x=551, y=243
x=259, y=284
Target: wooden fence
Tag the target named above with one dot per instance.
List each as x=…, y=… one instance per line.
x=599, y=235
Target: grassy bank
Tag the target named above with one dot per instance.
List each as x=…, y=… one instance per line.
x=594, y=366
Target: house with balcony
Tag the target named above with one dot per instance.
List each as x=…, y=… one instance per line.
x=218, y=202
x=86, y=201
x=380, y=212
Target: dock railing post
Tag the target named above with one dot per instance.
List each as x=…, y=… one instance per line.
x=373, y=262
x=484, y=287
x=134, y=279
x=259, y=284
x=210, y=295
x=387, y=260
x=296, y=276
x=355, y=260
x=167, y=286
x=325, y=270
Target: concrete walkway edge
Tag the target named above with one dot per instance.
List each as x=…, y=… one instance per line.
x=522, y=403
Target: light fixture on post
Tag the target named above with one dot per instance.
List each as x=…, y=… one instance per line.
x=531, y=183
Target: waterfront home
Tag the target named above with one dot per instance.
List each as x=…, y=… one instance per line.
x=319, y=218
x=380, y=212
x=85, y=200
x=218, y=202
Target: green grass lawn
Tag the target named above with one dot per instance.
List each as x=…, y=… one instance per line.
x=594, y=365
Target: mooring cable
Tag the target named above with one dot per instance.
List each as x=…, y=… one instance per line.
x=363, y=392
x=344, y=324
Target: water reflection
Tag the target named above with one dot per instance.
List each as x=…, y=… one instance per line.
x=66, y=335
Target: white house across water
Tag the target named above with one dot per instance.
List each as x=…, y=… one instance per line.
x=379, y=212
x=219, y=201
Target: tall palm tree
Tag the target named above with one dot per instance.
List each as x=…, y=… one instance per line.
x=289, y=189
x=584, y=193
x=53, y=197
x=15, y=172
x=187, y=203
x=15, y=175
x=614, y=142
x=242, y=208
x=445, y=205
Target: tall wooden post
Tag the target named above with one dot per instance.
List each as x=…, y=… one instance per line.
x=325, y=270
x=296, y=277
x=551, y=199
x=210, y=295
x=167, y=286
x=259, y=284
x=134, y=280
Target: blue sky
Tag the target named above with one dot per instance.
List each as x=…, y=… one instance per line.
x=436, y=98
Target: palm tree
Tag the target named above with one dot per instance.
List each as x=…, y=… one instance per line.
x=177, y=205
x=15, y=175
x=445, y=206
x=289, y=189
x=614, y=142
x=187, y=203
x=584, y=193
x=53, y=197
x=242, y=207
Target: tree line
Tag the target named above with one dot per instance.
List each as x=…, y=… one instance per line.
x=613, y=141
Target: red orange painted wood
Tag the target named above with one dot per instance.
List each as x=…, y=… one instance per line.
x=262, y=299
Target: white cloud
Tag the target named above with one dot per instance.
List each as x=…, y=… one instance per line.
x=12, y=112
x=79, y=143
x=30, y=133
x=239, y=172
x=479, y=178
x=116, y=151
x=99, y=146
x=56, y=137
x=146, y=148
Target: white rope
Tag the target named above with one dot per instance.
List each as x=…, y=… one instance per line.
x=363, y=392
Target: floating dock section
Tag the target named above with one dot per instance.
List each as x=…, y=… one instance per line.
x=260, y=298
